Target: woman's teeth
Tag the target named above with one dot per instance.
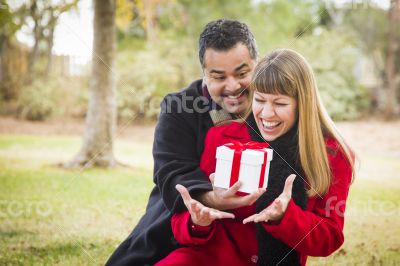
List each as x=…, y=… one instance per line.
x=267, y=124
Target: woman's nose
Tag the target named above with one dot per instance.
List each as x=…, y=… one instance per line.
x=268, y=111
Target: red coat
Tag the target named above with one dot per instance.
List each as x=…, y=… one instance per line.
x=317, y=231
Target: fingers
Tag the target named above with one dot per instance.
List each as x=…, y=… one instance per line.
x=227, y=199
x=205, y=216
x=226, y=215
x=232, y=190
x=258, y=217
x=250, y=218
x=263, y=216
x=212, y=178
x=195, y=207
x=199, y=213
x=215, y=214
x=253, y=197
x=273, y=212
x=287, y=190
x=184, y=193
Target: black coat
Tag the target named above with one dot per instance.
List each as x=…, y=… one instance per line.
x=178, y=145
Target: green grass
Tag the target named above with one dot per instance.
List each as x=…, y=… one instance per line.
x=372, y=219
x=51, y=216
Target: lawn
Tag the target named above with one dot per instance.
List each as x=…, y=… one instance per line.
x=51, y=216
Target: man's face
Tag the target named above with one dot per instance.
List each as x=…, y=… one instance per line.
x=227, y=75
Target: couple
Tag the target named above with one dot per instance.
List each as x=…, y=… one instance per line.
x=187, y=220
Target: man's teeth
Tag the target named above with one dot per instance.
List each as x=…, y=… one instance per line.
x=269, y=124
x=233, y=96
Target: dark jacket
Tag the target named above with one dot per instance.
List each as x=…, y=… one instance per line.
x=178, y=145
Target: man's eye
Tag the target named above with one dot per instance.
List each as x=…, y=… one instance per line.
x=219, y=77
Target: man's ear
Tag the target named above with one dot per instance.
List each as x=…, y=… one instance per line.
x=204, y=78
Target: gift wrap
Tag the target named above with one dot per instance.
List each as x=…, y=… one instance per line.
x=247, y=162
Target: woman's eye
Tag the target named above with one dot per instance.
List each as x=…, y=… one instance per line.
x=243, y=74
x=281, y=104
x=259, y=100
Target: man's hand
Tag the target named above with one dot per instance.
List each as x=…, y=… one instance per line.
x=226, y=199
x=276, y=210
x=200, y=214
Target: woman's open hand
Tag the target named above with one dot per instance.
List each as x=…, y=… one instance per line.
x=275, y=211
x=200, y=214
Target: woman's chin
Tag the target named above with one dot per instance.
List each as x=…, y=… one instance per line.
x=270, y=135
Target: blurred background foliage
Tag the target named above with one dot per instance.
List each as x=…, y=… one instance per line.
x=347, y=46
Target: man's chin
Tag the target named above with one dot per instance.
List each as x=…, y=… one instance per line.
x=235, y=109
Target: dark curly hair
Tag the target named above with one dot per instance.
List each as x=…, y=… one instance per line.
x=224, y=34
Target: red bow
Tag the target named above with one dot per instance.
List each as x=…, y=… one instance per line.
x=238, y=148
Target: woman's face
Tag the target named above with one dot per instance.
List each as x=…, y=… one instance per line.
x=275, y=114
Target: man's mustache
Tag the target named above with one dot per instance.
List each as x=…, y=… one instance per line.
x=235, y=94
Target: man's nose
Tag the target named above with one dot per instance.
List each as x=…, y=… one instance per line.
x=232, y=85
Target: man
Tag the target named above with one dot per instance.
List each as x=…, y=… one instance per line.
x=228, y=55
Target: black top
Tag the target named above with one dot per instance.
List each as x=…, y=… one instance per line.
x=178, y=145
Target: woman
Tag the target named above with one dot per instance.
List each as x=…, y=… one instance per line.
x=295, y=217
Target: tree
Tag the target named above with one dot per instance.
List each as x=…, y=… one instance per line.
x=373, y=31
x=97, y=148
x=9, y=83
x=390, y=67
x=43, y=15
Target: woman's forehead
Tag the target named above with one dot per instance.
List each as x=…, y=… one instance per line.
x=272, y=95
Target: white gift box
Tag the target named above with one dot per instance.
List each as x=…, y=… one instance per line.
x=251, y=165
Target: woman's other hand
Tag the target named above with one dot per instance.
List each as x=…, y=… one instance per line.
x=275, y=211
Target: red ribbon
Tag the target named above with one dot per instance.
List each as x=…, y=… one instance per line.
x=238, y=148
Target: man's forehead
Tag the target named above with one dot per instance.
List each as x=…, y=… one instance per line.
x=234, y=59
x=222, y=70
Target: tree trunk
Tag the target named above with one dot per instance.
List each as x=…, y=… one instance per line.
x=390, y=69
x=151, y=29
x=50, y=41
x=97, y=148
x=49, y=55
x=37, y=36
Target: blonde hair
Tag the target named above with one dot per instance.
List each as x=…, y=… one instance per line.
x=285, y=71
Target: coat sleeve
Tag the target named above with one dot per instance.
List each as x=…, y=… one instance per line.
x=181, y=228
x=175, y=152
x=317, y=232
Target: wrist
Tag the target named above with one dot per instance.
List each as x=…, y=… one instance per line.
x=199, y=229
